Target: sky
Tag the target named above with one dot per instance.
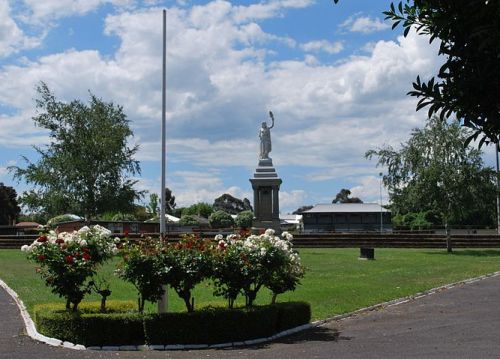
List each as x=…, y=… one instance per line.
x=335, y=77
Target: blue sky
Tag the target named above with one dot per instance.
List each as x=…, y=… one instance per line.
x=335, y=77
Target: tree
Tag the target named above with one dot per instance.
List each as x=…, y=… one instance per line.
x=152, y=206
x=302, y=209
x=220, y=219
x=244, y=219
x=343, y=197
x=231, y=205
x=169, y=201
x=469, y=81
x=433, y=172
x=9, y=208
x=84, y=167
x=200, y=209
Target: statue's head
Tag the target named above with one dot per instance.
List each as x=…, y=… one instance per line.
x=264, y=124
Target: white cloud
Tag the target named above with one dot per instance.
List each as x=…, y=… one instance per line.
x=12, y=37
x=290, y=201
x=220, y=85
x=368, y=190
x=47, y=10
x=364, y=24
x=323, y=45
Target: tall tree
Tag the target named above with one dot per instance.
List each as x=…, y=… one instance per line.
x=433, y=172
x=9, y=208
x=231, y=205
x=468, y=83
x=200, y=209
x=152, y=206
x=343, y=197
x=302, y=209
x=84, y=167
x=169, y=201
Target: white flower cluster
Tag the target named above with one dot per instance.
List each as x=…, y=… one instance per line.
x=97, y=236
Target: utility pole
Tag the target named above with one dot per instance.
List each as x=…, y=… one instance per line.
x=498, y=187
x=163, y=303
x=381, y=214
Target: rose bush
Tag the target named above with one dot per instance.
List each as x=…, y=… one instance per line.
x=69, y=259
x=245, y=265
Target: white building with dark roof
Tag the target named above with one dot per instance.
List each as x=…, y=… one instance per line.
x=347, y=217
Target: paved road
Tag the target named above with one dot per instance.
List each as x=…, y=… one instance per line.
x=462, y=322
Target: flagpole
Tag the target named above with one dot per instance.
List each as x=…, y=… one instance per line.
x=163, y=303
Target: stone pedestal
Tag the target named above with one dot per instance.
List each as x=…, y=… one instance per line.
x=266, y=186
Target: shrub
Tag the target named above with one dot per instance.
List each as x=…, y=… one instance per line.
x=89, y=327
x=142, y=266
x=246, y=265
x=68, y=260
x=188, y=263
x=244, y=219
x=220, y=219
x=207, y=326
x=189, y=220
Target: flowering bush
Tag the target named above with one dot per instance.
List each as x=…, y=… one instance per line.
x=247, y=264
x=143, y=267
x=68, y=260
x=189, y=262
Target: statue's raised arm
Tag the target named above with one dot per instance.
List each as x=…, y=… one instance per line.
x=265, y=138
x=272, y=119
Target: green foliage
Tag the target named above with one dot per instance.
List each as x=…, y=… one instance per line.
x=153, y=205
x=200, y=209
x=220, y=219
x=414, y=220
x=244, y=219
x=68, y=260
x=9, y=208
x=343, y=197
x=302, y=209
x=468, y=83
x=247, y=265
x=231, y=205
x=433, y=172
x=83, y=168
x=189, y=262
x=123, y=217
x=142, y=266
x=89, y=327
x=189, y=220
x=208, y=326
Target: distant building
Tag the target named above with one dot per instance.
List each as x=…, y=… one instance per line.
x=347, y=217
x=291, y=222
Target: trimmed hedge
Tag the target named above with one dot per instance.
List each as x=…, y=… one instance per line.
x=207, y=326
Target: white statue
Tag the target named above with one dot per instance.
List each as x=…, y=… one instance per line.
x=265, y=138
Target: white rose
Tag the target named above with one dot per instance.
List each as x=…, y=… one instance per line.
x=25, y=248
x=84, y=230
x=269, y=232
x=219, y=237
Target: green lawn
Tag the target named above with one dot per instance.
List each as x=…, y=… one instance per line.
x=336, y=281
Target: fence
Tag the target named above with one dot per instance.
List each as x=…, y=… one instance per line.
x=336, y=240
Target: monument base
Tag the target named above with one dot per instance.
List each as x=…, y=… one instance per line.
x=259, y=227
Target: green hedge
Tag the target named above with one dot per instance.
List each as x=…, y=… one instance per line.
x=207, y=326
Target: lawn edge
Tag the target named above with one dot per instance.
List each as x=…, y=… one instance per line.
x=33, y=333
x=403, y=300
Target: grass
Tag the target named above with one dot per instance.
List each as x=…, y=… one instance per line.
x=336, y=281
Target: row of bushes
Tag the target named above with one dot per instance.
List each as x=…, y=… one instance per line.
x=121, y=326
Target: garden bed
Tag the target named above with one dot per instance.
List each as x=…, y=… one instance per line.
x=121, y=325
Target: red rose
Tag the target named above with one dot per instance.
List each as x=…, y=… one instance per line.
x=59, y=241
x=125, y=233
x=69, y=259
x=86, y=257
x=86, y=250
x=41, y=258
x=42, y=239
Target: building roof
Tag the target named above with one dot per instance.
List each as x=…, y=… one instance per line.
x=347, y=208
x=291, y=218
x=27, y=224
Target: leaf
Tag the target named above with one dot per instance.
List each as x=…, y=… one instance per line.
x=407, y=30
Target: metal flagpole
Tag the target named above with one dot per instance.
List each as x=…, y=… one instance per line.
x=163, y=303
